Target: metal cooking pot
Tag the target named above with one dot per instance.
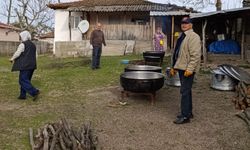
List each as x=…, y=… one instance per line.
x=153, y=55
x=160, y=54
x=141, y=81
x=143, y=68
x=221, y=81
x=172, y=80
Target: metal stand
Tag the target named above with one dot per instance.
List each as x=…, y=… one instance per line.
x=151, y=94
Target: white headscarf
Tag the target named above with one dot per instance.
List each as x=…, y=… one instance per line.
x=25, y=36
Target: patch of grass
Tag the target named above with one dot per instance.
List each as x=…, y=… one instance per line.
x=63, y=83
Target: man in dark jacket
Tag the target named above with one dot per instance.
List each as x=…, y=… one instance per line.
x=96, y=40
x=24, y=61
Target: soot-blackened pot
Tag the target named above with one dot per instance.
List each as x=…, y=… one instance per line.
x=141, y=81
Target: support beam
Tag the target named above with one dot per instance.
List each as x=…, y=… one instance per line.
x=172, y=33
x=204, y=49
x=153, y=31
x=243, y=38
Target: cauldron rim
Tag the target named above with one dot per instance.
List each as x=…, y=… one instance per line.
x=143, y=67
x=154, y=75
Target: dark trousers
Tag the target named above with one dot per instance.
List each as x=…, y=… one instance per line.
x=96, y=55
x=25, y=77
x=186, y=93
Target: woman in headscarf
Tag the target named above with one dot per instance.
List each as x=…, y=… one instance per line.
x=24, y=61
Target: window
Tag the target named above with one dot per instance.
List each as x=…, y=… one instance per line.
x=74, y=21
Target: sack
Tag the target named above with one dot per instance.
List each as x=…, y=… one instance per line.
x=161, y=42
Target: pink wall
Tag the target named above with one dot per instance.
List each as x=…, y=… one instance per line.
x=10, y=36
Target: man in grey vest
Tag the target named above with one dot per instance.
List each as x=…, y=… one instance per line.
x=24, y=61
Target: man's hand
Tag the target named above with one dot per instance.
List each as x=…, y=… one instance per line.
x=188, y=73
x=11, y=61
x=172, y=72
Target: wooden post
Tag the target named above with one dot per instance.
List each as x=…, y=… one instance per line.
x=70, y=25
x=243, y=38
x=97, y=18
x=204, y=50
x=172, y=34
x=153, y=32
x=124, y=23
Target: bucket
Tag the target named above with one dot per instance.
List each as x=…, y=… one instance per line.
x=172, y=80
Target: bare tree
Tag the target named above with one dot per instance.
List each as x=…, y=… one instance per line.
x=197, y=4
x=9, y=11
x=32, y=15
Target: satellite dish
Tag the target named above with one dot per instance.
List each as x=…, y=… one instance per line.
x=83, y=26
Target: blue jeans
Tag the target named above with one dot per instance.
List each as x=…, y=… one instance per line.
x=25, y=77
x=186, y=93
x=96, y=55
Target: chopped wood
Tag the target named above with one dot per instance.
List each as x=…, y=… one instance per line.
x=31, y=139
x=46, y=138
x=244, y=118
x=63, y=136
x=242, y=96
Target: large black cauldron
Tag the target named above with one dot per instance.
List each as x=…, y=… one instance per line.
x=143, y=68
x=153, y=56
x=141, y=81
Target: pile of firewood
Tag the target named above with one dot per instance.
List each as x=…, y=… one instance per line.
x=242, y=98
x=245, y=115
x=61, y=136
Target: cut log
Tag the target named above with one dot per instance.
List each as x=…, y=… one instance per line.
x=31, y=139
x=46, y=139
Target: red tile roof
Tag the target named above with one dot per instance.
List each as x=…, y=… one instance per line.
x=7, y=26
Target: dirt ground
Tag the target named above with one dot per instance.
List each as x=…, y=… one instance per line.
x=141, y=126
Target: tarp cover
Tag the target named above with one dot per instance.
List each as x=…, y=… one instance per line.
x=224, y=47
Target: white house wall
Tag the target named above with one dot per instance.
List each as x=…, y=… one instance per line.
x=62, y=31
x=62, y=25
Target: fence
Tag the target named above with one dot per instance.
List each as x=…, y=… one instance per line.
x=7, y=48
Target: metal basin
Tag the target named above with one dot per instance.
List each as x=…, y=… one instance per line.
x=143, y=68
x=221, y=81
x=141, y=81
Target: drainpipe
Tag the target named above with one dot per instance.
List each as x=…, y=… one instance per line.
x=69, y=25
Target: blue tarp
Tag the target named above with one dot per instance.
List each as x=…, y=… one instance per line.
x=224, y=47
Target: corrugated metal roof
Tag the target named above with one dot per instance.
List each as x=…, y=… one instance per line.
x=169, y=13
x=116, y=5
x=148, y=7
x=209, y=14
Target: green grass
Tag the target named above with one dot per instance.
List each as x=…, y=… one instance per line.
x=63, y=84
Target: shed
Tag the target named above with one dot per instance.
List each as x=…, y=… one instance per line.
x=232, y=23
